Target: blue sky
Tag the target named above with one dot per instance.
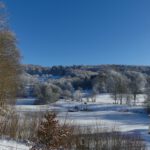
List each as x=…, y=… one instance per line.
x=67, y=32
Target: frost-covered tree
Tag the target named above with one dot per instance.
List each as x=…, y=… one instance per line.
x=147, y=101
x=137, y=83
x=67, y=94
x=99, y=82
x=147, y=95
x=46, y=93
x=118, y=85
x=77, y=95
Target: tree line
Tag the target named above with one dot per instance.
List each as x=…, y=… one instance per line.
x=124, y=83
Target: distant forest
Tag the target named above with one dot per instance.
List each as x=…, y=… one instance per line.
x=49, y=84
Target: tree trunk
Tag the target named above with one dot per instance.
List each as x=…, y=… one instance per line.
x=115, y=98
x=121, y=100
x=134, y=99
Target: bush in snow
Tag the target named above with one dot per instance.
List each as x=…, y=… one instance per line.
x=51, y=135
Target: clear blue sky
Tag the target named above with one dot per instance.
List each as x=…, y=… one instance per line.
x=67, y=32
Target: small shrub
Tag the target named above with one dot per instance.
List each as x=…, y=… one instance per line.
x=52, y=135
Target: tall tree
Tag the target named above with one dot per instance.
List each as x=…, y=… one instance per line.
x=137, y=83
x=117, y=85
x=10, y=67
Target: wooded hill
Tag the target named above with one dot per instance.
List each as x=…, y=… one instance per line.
x=52, y=83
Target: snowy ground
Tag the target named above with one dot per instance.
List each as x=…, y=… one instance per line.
x=106, y=114
x=12, y=145
x=100, y=113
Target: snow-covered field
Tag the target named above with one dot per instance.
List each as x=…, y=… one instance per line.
x=12, y=145
x=100, y=113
